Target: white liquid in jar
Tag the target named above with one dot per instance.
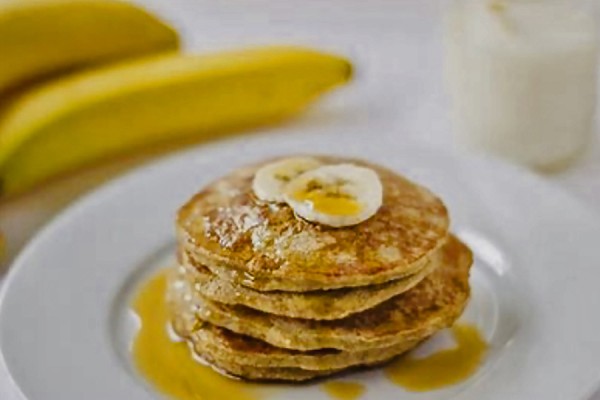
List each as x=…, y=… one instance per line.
x=522, y=76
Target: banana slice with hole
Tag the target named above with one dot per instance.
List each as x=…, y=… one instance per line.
x=270, y=181
x=335, y=195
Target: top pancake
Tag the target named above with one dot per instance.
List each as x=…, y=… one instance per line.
x=226, y=226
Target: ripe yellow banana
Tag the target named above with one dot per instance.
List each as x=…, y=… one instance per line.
x=91, y=116
x=43, y=37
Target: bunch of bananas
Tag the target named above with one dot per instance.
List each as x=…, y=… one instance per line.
x=98, y=78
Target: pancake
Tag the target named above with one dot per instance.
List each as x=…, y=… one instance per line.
x=216, y=352
x=435, y=303
x=249, y=372
x=265, y=246
x=218, y=343
x=319, y=305
x=223, y=363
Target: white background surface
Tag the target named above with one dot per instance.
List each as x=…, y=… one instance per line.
x=398, y=90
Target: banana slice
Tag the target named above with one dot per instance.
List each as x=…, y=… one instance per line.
x=270, y=181
x=335, y=195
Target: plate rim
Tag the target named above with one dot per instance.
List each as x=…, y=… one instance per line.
x=172, y=160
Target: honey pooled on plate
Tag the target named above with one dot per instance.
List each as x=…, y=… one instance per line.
x=169, y=365
x=343, y=390
x=443, y=368
x=172, y=370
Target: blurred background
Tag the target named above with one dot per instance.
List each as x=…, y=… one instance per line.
x=501, y=59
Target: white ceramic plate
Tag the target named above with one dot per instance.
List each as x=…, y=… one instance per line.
x=65, y=326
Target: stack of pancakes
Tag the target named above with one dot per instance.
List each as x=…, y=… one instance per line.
x=263, y=294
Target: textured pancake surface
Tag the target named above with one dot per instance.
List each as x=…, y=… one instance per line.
x=210, y=341
x=435, y=303
x=265, y=246
x=252, y=373
x=319, y=304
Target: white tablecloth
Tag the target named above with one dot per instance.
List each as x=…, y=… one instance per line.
x=396, y=46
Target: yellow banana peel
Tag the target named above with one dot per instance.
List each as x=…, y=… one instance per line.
x=39, y=38
x=79, y=120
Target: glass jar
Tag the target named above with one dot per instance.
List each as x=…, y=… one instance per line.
x=522, y=76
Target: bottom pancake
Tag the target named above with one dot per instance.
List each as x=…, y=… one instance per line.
x=226, y=365
x=216, y=343
x=263, y=374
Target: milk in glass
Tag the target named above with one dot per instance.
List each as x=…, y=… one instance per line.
x=522, y=77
